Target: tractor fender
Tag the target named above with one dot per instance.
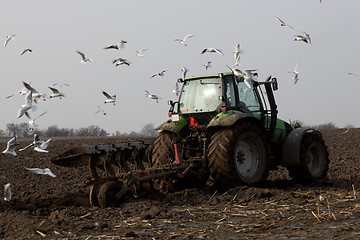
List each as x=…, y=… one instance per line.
x=292, y=144
x=229, y=118
x=173, y=126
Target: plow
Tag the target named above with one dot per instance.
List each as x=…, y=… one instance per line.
x=222, y=127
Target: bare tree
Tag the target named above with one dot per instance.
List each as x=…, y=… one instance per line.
x=148, y=130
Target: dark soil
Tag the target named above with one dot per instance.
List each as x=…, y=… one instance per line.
x=43, y=207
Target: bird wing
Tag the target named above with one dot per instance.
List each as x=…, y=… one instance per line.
x=30, y=145
x=107, y=95
x=81, y=54
x=147, y=92
x=48, y=172
x=54, y=90
x=45, y=144
x=28, y=87
x=11, y=142
x=281, y=21
x=296, y=68
x=218, y=51
x=163, y=71
x=154, y=75
x=204, y=51
x=41, y=115
x=187, y=36
x=28, y=116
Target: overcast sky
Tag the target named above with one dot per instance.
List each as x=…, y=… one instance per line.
x=54, y=30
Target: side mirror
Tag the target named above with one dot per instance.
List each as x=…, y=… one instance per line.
x=170, y=102
x=274, y=84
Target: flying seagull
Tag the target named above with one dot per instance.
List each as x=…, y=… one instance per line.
x=36, y=141
x=296, y=74
x=141, y=52
x=305, y=37
x=100, y=110
x=45, y=171
x=83, y=58
x=8, y=38
x=7, y=191
x=152, y=96
x=121, y=61
x=184, y=40
x=207, y=65
x=56, y=93
x=237, y=53
x=42, y=145
x=109, y=99
x=61, y=84
x=10, y=147
x=283, y=24
x=26, y=50
x=212, y=50
x=32, y=120
x=161, y=74
x=35, y=94
x=27, y=105
x=184, y=72
x=117, y=46
x=353, y=74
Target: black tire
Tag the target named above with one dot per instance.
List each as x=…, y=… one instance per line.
x=107, y=192
x=314, y=160
x=163, y=152
x=239, y=154
x=94, y=190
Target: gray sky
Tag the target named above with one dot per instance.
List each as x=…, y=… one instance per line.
x=56, y=29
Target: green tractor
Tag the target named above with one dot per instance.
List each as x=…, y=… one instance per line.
x=226, y=127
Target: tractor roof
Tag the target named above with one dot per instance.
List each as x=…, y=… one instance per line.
x=208, y=76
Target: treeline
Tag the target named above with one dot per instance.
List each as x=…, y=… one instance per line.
x=22, y=130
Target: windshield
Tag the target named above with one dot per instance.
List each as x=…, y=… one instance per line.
x=203, y=95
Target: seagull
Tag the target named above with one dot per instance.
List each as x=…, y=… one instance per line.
x=237, y=53
x=305, y=37
x=7, y=191
x=42, y=145
x=61, y=84
x=84, y=59
x=27, y=105
x=161, y=74
x=249, y=77
x=283, y=24
x=213, y=50
x=8, y=38
x=10, y=147
x=32, y=121
x=45, y=171
x=347, y=130
x=176, y=91
x=152, y=96
x=26, y=50
x=121, y=61
x=100, y=110
x=140, y=53
x=35, y=142
x=35, y=94
x=207, y=65
x=117, y=46
x=184, y=72
x=56, y=93
x=237, y=72
x=296, y=74
x=353, y=74
x=183, y=41
x=109, y=99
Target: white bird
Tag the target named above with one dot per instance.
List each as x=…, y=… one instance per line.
x=184, y=72
x=109, y=99
x=42, y=145
x=212, y=50
x=8, y=38
x=32, y=120
x=176, y=91
x=353, y=74
x=35, y=142
x=283, y=24
x=45, y=171
x=161, y=74
x=305, y=37
x=237, y=72
x=121, y=61
x=237, y=53
x=26, y=50
x=83, y=58
x=27, y=105
x=296, y=74
x=117, y=46
x=35, y=94
x=249, y=78
x=56, y=93
x=184, y=40
x=7, y=190
x=100, y=110
x=152, y=96
x=346, y=131
x=207, y=65
x=141, y=52
x=10, y=147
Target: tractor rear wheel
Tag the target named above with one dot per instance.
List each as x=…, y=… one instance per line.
x=314, y=160
x=163, y=152
x=239, y=154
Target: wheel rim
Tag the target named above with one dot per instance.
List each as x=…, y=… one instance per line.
x=246, y=157
x=315, y=160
